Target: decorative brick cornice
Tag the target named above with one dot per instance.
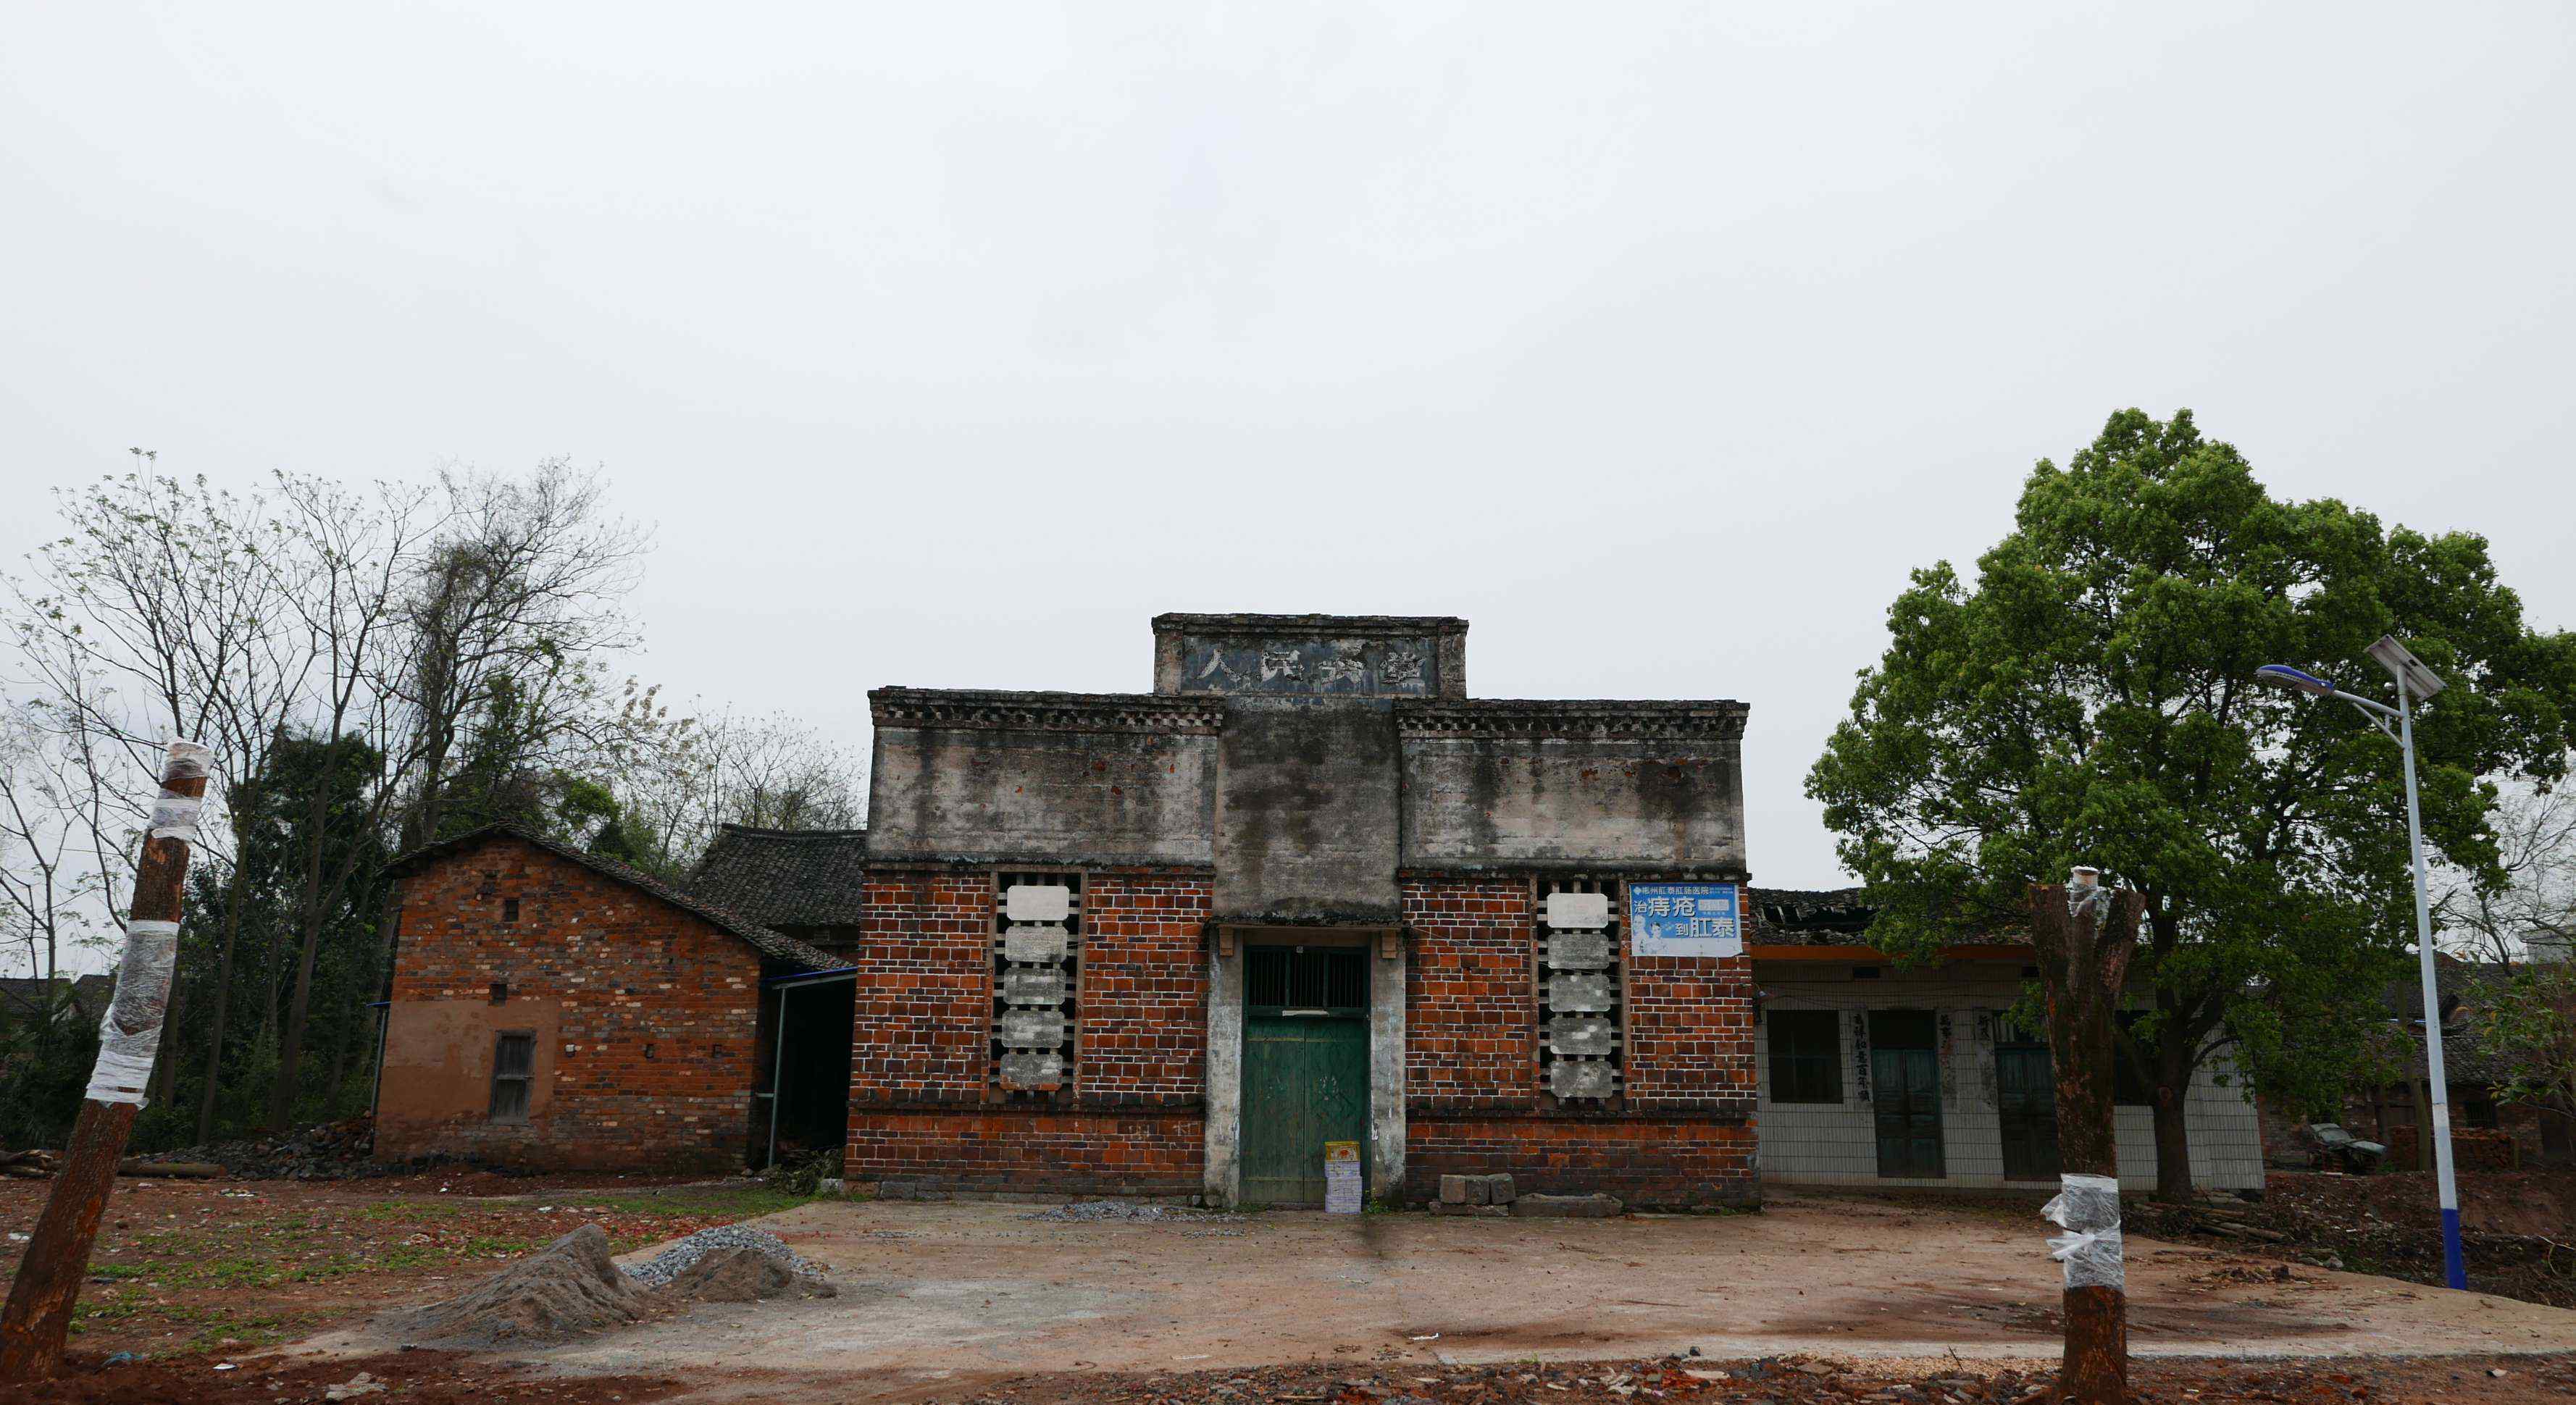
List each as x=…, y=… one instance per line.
x=1715, y=720
x=1311, y=626
x=976, y=710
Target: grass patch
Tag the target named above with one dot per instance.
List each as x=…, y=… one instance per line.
x=725, y=1203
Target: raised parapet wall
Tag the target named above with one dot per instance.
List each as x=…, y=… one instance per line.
x=1335, y=656
x=1595, y=786
x=1060, y=778
x=1300, y=799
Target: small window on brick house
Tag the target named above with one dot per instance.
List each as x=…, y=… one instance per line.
x=509, y=909
x=500, y=992
x=1580, y=992
x=1037, y=965
x=514, y=1061
x=1806, y=1055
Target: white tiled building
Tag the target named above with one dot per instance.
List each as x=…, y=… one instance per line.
x=1870, y=1075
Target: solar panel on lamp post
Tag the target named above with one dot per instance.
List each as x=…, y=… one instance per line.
x=2414, y=683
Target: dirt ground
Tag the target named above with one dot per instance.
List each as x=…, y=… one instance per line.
x=963, y=1297
x=1817, y=1300
x=2518, y=1228
x=224, y=1266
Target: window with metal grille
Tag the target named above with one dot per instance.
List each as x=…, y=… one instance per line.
x=1581, y=978
x=1037, y=967
x=1806, y=1055
x=1306, y=980
x=514, y=1062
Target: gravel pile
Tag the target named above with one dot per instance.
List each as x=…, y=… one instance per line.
x=1097, y=1211
x=681, y=1257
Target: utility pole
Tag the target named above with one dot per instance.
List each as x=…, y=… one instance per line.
x=39, y=1314
x=2084, y=934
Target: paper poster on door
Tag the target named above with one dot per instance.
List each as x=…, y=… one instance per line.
x=1684, y=919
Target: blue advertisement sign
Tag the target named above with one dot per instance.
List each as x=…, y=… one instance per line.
x=1684, y=919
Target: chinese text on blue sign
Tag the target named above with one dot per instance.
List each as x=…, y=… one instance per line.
x=1684, y=919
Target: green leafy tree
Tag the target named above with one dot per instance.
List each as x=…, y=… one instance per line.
x=2529, y=1028
x=2090, y=698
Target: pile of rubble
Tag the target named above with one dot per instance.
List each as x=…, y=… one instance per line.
x=1498, y=1195
x=572, y=1288
x=29, y=1165
x=325, y=1151
x=2516, y=1227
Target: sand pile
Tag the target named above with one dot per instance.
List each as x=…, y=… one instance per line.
x=739, y=1273
x=571, y=1287
x=563, y=1290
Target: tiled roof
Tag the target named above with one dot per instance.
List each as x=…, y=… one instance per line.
x=29, y=995
x=787, y=877
x=1801, y=916
x=761, y=939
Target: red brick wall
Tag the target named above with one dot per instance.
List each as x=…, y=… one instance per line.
x=1471, y=1001
x=921, y=1119
x=653, y=1014
x=921, y=1032
x=1142, y=1036
x=1689, y=1031
x=1681, y=1133
x=1646, y=1161
x=1010, y=1149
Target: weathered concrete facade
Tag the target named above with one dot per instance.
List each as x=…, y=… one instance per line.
x=1349, y=857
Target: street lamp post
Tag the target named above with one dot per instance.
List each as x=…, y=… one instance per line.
x=2414, y=682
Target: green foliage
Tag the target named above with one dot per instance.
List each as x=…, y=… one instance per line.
x=803, y=1176
x=45, y=1061
x=2090, y=698
x=2530, y=1029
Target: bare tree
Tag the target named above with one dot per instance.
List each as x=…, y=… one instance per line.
x=45, y=886
x=156, y=615
x=768, y=771
x=522, y=589
x=348, y=602
x=2533, y=913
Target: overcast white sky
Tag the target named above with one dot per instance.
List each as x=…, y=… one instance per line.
x=945, y=344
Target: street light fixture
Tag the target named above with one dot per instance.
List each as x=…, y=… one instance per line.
x=2414, y=682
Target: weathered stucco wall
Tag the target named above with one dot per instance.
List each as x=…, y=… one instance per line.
x=1306, y=811
x=1577, y=784
x=1040, y=778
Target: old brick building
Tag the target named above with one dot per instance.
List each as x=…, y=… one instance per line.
x=553, y=1008
x=1306, y=891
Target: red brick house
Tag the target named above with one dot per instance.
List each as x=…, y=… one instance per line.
x=554, y=1008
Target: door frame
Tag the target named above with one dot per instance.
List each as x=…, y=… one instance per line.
x=1346, y=1019
x=1878, y=1089
x=1221, y=1178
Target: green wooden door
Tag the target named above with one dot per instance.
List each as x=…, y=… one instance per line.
x=1906, y=1096
x=2026, y=1103
x=1305, y=1068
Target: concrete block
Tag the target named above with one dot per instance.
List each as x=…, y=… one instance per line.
x=1453, y=1190
x=1567, y=1207
x=1580, y=1078
x=1480, y=1190
x=1577, y=1035
x=1580, y=994
x=1503, y=1192
x=1578, y=951
x=1442, y=1207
